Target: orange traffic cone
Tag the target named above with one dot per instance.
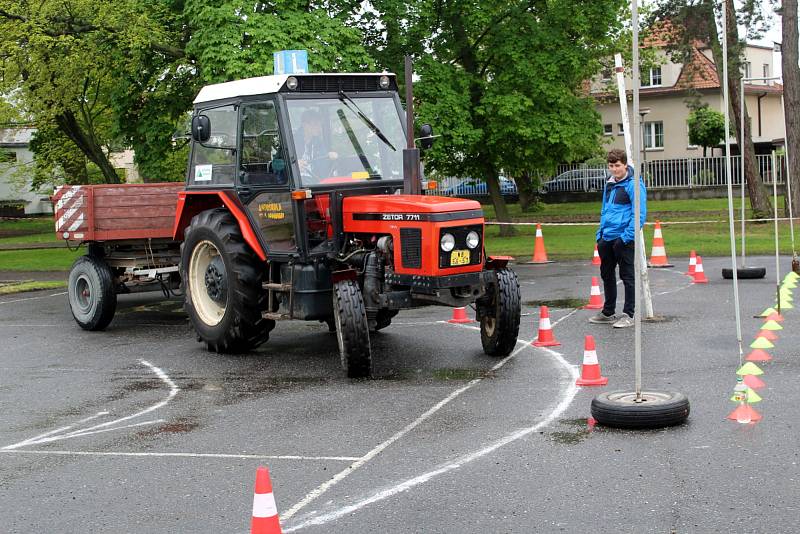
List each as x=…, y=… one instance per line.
x=692, y=262
x=460, y=316
x=768, y=334
x=595, y=300
x=590, y=370
x=539, y=252
x=265, y=511
x=754, y=415
x=699, y=273
x=596, y=256
x=775, y=317
x=752, y=381
x=758, y=355
x=658, y=256
x=546, y=338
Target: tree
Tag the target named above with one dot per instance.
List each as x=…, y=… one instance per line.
x=706, y=127
x=697, y=20
x=501, y=101
x=791, y=95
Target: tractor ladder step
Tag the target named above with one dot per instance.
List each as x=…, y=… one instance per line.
x=277, y=287
x=276, y=316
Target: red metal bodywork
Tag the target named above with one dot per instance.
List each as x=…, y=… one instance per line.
x=410, y=205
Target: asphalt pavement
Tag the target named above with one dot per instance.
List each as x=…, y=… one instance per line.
x=138, y=429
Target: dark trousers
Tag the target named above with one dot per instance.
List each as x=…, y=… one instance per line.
x=613, y=253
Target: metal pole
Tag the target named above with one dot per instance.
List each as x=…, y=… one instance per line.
x=788, y=176
x=741, y=158
x=728, y=173
x=775, y=208
x=638, y=241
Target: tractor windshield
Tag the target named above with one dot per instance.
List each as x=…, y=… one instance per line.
x=347, y=139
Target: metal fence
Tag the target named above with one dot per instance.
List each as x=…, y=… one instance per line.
x=679, y=173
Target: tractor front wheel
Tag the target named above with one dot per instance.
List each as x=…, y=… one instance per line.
x=352, y=329
x=222, y=283
x=500, y=320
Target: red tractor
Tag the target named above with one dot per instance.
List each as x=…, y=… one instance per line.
x=302, y=201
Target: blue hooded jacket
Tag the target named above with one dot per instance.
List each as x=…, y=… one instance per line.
x=616, y=217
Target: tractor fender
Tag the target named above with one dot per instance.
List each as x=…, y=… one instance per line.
x=497, y=262
x=190, y=203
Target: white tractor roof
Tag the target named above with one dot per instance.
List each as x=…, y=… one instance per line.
x=257, y=86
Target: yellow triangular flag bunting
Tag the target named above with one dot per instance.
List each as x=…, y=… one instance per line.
x=786, y=305
x=749, y=369
x=772, y=325
x=761, y=343
x=767, y=312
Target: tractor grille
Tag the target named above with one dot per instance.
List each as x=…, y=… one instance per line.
x=348, y=84
x=460, y=235
x=411, y=247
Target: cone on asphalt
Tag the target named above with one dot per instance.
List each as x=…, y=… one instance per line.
x=761, y=343
x=590, y=370
x=775, y=316
x=699, y=272
x=595, y=299
x=753, y=382
x=658, y=254
x=692, y=263
x=265, y=511
x=546, y=338
x=539, y=252
x=749, y=369
x=758, y=355
x=596, y=256
x=750, y=413
x=460, y=316
x=766, y=313
x=769, y=335
x=771, y=325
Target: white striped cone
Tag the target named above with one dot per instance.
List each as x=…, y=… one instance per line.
x=265, y=511
x=545, y=338
x=590, y=370
x=596, y=256
x=658, y=256
x=595, y=300
x=692, y=263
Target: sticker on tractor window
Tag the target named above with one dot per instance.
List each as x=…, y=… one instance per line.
x=271, y=210
x=359, y=175
x=202, y=173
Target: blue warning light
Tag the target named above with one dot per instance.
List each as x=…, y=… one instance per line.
x=290, y=62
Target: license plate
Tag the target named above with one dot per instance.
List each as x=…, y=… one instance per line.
x=459, y=257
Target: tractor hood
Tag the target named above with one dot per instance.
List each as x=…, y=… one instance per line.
x=409, y=208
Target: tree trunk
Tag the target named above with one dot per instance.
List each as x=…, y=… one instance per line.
x=500, y=208
x=759, y=200
x=526, y=190
x=791, y=96
x=88, y=144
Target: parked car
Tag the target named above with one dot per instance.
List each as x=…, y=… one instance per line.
x=581, y=180
x=470, y=187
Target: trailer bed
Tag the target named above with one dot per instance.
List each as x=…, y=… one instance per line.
x=112, y=212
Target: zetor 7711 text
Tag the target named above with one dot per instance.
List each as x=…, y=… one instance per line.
x=302, y=201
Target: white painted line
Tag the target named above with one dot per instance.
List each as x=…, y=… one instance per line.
x=79, y=433
x=56, y=435
x=322, y=488
x=576, y=310
x=185, y=455
x=566, y=400
x=33, y=298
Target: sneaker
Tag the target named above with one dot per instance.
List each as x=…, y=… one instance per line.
x=624, y=322
x=602, y=318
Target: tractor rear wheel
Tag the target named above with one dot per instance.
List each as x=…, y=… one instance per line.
x=222, y=282
x=92, y=297
x=352, y=329
x=500, y=325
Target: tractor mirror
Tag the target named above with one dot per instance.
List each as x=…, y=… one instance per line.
x=426, y=136
x=201, y=128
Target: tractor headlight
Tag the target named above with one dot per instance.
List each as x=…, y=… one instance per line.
x=291, y=83
x=447, y=242
x=473, y=239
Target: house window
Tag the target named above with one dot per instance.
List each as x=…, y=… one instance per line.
x=608, y=129
x=653, y=78
x=653, y=135
x=765, y=70
x=747, y=70
x=8, y=156
x=620, y=129
x=605, y=75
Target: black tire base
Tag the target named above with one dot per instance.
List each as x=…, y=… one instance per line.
x=659, y=409
x=745, y=273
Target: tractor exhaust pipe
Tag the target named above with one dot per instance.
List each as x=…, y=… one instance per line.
x=411, y=171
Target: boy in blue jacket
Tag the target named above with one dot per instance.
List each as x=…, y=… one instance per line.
x=615, y=238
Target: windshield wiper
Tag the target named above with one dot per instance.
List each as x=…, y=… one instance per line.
x=371, y=125
x=372, y=174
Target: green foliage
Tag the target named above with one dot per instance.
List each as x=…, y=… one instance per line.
x=706, y=127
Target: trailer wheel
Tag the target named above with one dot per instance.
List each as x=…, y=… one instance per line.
x=352, y=329
x=222, y=284
x=92, y=298
x=500, y=326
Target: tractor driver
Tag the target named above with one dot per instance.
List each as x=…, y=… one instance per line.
x=313, y=152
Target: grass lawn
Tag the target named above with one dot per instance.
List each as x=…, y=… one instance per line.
x=51, y=259
x=49, y=237
x=19, y=287
x=32, y=225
